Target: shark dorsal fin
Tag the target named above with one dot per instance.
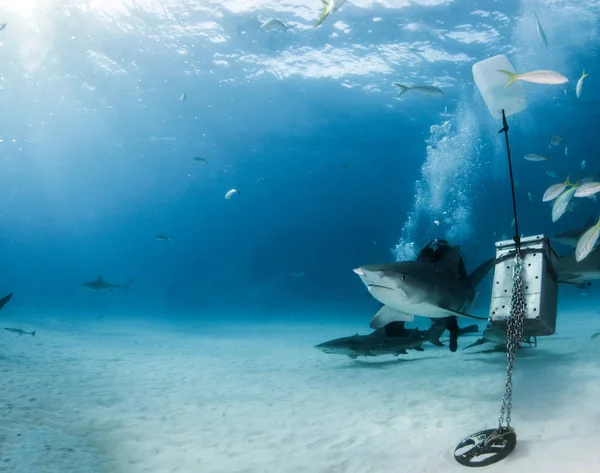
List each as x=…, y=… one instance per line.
x=100, y=279
x=453, y=261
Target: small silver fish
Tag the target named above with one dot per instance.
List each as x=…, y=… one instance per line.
x=531, y=197
x=426, y=90
x=555, y=140
x=183, y=97
x=163, y=238
x=579, y=86
x=540, y=31
x=2, y=26
x=552, y=174
x=566, y=151
x=587, y=241
x=274, y=25
x=199, y=158
x=536, y=157
x=556, y=189
x=559, y=207
x=263, y=179
x=537, y=77
x=231, y=193
x=583, y=165
x=588, y=189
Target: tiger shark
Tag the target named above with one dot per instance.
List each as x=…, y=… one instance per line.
x=393, y=339
x=434, y=289
x=580, y=273
x=99, y=285
x=571, y=237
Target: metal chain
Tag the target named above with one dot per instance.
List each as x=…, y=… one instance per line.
x=514, y=335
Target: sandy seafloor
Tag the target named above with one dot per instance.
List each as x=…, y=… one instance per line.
x=126, y=395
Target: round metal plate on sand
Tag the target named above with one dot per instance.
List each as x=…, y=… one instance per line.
x=486, y=447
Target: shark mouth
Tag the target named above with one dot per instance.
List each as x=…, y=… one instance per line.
x=378, y=285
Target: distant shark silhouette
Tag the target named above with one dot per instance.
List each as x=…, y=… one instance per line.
x=18, y=331
x=99, y=285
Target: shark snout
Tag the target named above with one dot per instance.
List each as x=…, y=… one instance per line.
x=359, y=271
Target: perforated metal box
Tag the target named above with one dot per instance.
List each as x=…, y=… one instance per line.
x=539, y=284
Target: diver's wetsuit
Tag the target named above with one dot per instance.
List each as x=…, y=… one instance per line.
x=435, y=255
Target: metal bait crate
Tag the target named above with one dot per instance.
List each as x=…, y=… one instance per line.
x=540, y=285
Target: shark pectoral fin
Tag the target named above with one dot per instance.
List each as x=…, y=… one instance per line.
x=385, y=315
x=565, y=277
x=437, y=343
x=419, y=348
x=481, y=272
x=453, y=313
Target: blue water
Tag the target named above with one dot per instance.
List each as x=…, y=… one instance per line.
x=97, y=148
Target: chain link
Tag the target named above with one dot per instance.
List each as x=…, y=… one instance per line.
x=514, y=335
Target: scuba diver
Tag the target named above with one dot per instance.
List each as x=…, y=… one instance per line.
x=433, y=252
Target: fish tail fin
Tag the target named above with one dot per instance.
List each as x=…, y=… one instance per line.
x=512, y=77
x=584, y=75
x=169, y=239
x=568, y=181
x=403, y=89
x=127, y=286
x=33, y=333
x=324, y=14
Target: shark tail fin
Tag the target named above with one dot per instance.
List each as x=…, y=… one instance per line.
x=5, y=299
x=126, y=287
x=403, y=89
x=477, y=276
x=512, y=77
x=33, y=333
